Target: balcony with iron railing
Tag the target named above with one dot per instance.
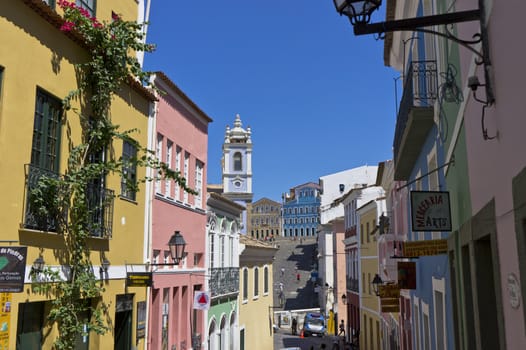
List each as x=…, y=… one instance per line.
x=43, y=212
x=224, y=281
x=352, y=284
x=415, y=116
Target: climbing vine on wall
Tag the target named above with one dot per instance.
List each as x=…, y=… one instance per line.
x=75, y=291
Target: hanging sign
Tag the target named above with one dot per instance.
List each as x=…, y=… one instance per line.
x=201, y=300
x=407, y=275
x=12, y=269
x=389, y=297
x=430, y=211
x=414, y=249
x=139, y=279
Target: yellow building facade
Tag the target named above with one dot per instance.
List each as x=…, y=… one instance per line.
x=370, y=327
x=255, y=294
x=36, y=73
x=264, y=219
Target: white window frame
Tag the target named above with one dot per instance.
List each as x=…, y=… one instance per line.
x=416, y=322
x=439, y=285
x=159, y=157
x=168, y=182
x=178, y=151
x=198, y=198
x=426, y=332
x=186, y=171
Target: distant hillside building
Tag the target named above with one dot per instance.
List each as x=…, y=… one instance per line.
x=264, y=218
x=237, y=165
x=301, y=210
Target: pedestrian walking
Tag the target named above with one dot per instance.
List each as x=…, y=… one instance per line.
x=294, y=326
x=342, y=329
x=298, y=276
x=282, y=271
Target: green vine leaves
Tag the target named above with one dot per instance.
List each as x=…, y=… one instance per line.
x=76, y=294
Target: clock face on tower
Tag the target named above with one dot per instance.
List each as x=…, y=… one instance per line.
x=237, y=184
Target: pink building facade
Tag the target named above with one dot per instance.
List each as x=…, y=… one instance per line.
x=180, y=141
x=497, y=177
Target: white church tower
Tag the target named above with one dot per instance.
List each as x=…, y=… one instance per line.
x=237, y=163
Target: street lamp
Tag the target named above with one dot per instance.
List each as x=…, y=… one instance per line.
x=177, y=245
x=377, y=281
x=38, y=265
x=359, y=13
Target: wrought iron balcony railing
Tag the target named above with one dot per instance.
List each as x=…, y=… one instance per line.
x=415, y=116
x=100, y=205
x=39, y=212
x=44, y=213
x=352, y=284
x=224, y=280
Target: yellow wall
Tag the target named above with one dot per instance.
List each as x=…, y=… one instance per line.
x=254, y=313
x=36, y=54
x=369, y=267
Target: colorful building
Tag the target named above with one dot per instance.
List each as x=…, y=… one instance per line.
x=301, y=210
x=181, y=140
x=264, y=219
x=354, y=240
x=368, y=216
x=333, y=187
x=36, y=135
x=257, y=295
x=224, y=222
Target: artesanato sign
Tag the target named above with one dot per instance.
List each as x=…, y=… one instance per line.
x=430, y=211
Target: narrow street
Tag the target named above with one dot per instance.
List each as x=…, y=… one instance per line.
x=296, y=257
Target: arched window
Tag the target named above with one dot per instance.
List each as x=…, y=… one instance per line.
x=265, y=280
x=245, y=284
x=256, y=281
x=238, y=163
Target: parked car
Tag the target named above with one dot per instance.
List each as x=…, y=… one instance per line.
x=314, y=323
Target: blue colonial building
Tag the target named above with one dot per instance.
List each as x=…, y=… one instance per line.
x=301, y=210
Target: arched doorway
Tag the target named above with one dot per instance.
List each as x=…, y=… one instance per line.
x=212, y=341
x=232, y=333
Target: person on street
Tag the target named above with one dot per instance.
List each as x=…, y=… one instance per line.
x=282, y=271
x=342, y=329
x=294, y=326
x=298, y=276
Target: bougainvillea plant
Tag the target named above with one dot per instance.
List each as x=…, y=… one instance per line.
x=77, y=307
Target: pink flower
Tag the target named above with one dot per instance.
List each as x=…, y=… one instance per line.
x=63, y=3
x=97, y=24
x=67, y=26
x=115, y=16
x=84, y=12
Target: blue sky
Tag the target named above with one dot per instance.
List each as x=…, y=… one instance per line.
x=318, y=99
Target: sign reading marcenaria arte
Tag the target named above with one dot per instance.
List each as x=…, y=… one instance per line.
x=12, y=269
x=430, y=211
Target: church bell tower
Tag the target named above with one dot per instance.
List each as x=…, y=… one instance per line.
x=237, y=163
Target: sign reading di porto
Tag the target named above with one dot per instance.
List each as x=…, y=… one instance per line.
x=12, y=269
x=430, y=211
